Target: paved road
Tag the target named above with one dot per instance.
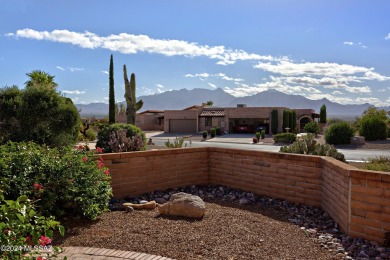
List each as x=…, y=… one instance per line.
x=350, y=154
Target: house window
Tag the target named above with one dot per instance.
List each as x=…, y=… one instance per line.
x=208, y=121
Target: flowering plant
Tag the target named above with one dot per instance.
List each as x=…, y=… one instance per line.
x=62, y=180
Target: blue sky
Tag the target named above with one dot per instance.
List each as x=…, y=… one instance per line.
x=335, y=49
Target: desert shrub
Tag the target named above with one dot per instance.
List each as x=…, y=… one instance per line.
x=218, y=130
x=262, y=134
x=91, y=136
x=286, y=138
x=212, y=132
x=373, y=128
x=312, y=127
x=339, y=133
x=307, y=145
x=119, y=142
x=103, y=136
x=22, y=228
x=177, y=143
x=381, y=163
x=204, y=134
x=61, y=180
x=258, y=135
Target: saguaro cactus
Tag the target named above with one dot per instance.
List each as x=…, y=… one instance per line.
x=132, y=105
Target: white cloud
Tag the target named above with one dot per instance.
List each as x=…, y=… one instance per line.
x=73, y=92
x=371, y=100
x=60, y=68
x=348, y=43
x=131, y=44
x=104, y=72
x=199, y=75
x=387, y=37
x=358, y=89
x=338, y=99
x=72, y=69
x=105, y=98
x=336, y=92
x=212, y=85
x=203, y=76
x=289, y=68
x=159, y=86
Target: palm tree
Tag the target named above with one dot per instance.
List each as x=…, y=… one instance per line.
x=40, y=78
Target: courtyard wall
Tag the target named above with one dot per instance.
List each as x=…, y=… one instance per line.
x=357, y=200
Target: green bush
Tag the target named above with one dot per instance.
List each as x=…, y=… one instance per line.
x=61, y=180
x=286, y=138
x=38, y=114
x=373, y=128
x=307, y=145
x=91, y=136
x=381, y=163
x=103, y=136
x=339, y=133
x=204, y=134
x=262, y=134
x=312, y=127
x=22, y=228
x=258, y=135
x=212, y=132
x=218, y=130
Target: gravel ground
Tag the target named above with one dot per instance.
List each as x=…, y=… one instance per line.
x=226, y=232
x=237, y=225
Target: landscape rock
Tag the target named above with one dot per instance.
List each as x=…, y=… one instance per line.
x=160, y=200
x=148, y=205
x=184, y=205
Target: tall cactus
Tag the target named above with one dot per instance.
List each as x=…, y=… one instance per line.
x=132, y=105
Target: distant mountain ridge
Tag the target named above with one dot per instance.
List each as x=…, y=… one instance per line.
x=180, y=99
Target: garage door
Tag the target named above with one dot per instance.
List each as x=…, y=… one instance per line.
x=182, y=126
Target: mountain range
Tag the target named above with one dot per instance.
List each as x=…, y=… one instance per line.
x=180, y=99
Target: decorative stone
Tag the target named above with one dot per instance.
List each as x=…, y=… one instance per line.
x=128, y=208
x=149, y=205
x=160, y=200
x=185, y=205
x=243, y=201
x=143, y=201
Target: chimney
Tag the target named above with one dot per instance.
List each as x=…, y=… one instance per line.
x=241, y=105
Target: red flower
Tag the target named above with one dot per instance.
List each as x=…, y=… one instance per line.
x=99, y=150
x=101, y=159
x=71, y=180
x=44, y=240
x=100, y=164
x=106, y=172
x=85, y=159
x=37, y=186
x=80, y=147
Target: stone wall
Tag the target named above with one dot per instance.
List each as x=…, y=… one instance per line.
x=358, y=200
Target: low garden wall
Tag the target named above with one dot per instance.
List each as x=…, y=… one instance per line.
x=358, y=200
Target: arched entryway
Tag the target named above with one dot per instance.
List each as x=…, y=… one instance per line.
x=303, y=120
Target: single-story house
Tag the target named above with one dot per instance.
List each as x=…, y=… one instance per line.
x=196, y=119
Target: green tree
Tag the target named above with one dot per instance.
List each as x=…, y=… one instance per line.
x=39, y=114
x=286, y=120
x=111, y=96
x=40, y=78
x=209, y=103
x=323, y=114
x=294, y=121
x=339, y=133
x=274, y=121
x=373, y=124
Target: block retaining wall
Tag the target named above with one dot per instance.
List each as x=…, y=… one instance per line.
x=358, y=200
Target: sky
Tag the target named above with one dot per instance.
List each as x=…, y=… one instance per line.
x=334, y=49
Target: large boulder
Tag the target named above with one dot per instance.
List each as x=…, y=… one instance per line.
x=184, y=205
